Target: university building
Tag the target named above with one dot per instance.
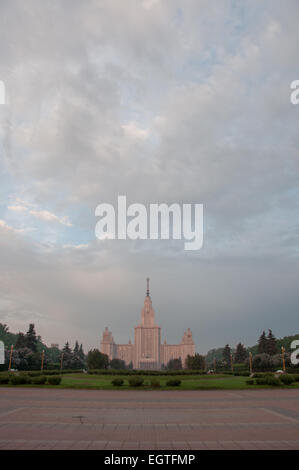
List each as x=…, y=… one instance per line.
x=147, y=352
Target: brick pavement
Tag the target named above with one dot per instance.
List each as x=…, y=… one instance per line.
x=164, y=420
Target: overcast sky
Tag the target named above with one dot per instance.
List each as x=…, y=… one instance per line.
x=161, y=101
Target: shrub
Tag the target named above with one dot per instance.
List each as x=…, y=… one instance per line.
x=287, y=379
x=155, y=383
x=117, y=382
x=258, y=375
x=261, y=381
x=296, y=377
x=39, y=380
x=136, y=381
x=33, y=373
x=272, y=381
x=54, y=380
x=250, y=382
x=4, y=378
x=19, y=379
x=173, y=383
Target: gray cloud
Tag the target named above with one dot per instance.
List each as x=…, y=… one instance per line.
x=162, y=102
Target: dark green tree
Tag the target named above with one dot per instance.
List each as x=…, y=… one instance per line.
x=226, y=355
x=97, y=360
x=117, y=364
x=241, y=353
x=271, y=344
x=262, y=343
x=31, y=338
x=76, y=348
x=175, y=364
x=81, y=353
x=21, y=341
x=196, y=362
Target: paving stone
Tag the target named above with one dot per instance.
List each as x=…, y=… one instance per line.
x=101, y=419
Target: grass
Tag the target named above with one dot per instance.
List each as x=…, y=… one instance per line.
x=188, y=382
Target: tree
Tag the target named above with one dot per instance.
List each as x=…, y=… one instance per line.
x=21, y=341
x=117, y=364
x=31, y=339
x=81, y=353
x=175, y=364
x=4, y=328
x=226, y=355
x=241, y=353
x=271, y=344
x=196, y=362
x=262, y=343
x=97, y=360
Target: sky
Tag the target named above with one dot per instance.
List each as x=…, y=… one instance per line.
x=165, y=102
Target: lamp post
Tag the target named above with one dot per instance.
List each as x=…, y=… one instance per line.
x=214, y=364
x=10, y=357
x=61, y=362
x=231, y=362
x=283, y=358
x=250, y=362
x=43, y=358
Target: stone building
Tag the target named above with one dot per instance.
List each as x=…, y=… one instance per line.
x=147, y=352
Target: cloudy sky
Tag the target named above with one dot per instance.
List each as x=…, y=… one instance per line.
x=161, y=101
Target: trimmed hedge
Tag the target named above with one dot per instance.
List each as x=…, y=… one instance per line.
x=117, y=382
x=19, y=379
x=4, y=378
x=136, y=381
x=173, y=383
x=54, y=380
x=39, y=380
x=287, y=379
x=155, y=383
x=144, y=372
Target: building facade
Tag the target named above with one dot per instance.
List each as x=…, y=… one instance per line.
x=147, y=352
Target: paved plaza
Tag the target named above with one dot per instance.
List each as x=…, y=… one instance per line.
x=97, y=419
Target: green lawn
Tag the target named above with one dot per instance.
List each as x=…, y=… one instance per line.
x=189, y=382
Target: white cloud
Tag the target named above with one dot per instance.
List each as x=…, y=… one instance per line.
x=17, y=208
x=4, y=225
x=132, y=130
x=50, y=217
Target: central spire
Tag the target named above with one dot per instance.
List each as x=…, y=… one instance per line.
x=147, y=286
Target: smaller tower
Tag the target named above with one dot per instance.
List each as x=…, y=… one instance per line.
x=107, y=344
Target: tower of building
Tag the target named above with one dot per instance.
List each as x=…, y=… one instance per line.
x=147, y=337
x=147, y=352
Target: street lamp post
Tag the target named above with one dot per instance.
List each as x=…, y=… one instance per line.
x=250, y=362
x=43, y=358
x=283, y=358
x=10, y=357
x=231, y=362
x=61, y=362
